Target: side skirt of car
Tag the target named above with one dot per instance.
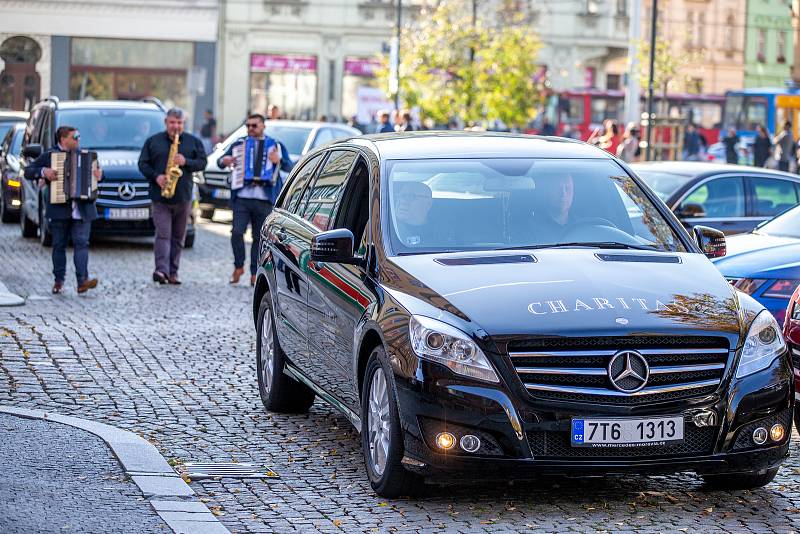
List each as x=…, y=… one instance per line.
x=296, y=374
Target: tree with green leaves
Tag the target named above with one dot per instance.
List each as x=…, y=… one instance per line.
x=454, y=66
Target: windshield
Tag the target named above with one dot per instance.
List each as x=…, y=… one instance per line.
x=785, y=225
x=745, y=112
x=16, y=142
x=663, y=183
x=489, y=204
x=294, y=137
x=122, y=129
x=4, y=128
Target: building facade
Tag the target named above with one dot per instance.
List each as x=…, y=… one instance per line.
x=769, y=55
x=310, y=58
x=101, y=49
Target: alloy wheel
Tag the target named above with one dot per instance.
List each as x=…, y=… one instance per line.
x=378, y=422
x=267, y=351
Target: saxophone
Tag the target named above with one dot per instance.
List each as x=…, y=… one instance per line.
x=173, y=171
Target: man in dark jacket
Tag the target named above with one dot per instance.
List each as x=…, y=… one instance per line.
x=170, y=215
x=253, y=203
x=71, y=219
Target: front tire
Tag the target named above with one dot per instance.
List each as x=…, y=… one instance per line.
x=188, y=241
x=279, y=393
x=207, y=213
x=381, y=434
x=26, y=226
x=740, y=481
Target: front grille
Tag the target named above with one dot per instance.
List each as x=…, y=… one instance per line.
x=123, y=193
x=556, y=444
x=219, y=179
x=577, y=369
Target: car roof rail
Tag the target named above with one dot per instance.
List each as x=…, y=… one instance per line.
x=154, y=100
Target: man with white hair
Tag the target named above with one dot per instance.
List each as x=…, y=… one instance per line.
x=170, y=215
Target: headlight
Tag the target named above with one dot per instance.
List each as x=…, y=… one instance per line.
x=439, y=342
x=763, y=344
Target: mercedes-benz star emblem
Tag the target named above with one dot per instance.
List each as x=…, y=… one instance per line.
x=126, y=191
x=628, y=371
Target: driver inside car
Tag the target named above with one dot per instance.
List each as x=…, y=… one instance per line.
x=413, y=201
x=552, y=216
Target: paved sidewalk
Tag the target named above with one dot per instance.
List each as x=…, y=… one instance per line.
x=55, y=478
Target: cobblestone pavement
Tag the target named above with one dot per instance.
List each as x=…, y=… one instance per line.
x=176, y=365
x=43, y=463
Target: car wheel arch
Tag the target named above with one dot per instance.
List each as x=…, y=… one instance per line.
x=262, y=288
x=369, y=341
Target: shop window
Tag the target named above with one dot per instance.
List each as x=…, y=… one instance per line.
x=290, y=82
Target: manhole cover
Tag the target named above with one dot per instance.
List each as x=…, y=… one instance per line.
x=201, y=471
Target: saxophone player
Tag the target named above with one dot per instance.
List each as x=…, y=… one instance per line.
x=168, y=160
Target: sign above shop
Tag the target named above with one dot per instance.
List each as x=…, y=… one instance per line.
x=276, y=63
x=366, y=67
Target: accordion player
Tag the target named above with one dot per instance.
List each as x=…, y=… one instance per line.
x=75, y=179
x=251, y=163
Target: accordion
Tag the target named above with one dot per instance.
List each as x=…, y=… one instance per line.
x=74, y=176
x=251, y=162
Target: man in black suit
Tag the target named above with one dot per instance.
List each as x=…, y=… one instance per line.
x=72, y=219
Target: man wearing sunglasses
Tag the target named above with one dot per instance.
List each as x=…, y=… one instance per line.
x=72, y=219
x=252, y=203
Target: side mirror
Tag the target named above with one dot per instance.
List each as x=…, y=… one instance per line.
x=333, y=246
x=691, y=210
x=710, y=241
x=32, y=151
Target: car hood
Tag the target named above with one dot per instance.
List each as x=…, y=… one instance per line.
x=569, y=292
x=761, y=256
x=120, y=164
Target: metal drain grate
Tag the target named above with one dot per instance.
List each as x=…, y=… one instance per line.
x=206, y=470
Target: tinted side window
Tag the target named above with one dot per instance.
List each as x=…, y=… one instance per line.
x=721, y=197
x=291, y=199
x=772, y=196
x=327, y=188
x=30, y=128
x=47, y=137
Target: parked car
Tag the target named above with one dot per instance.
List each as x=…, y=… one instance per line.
x=791, y=331
x=10, y=118
x=10, y=173
x=765, y=263
x=298, y=136
x=117, y=130
x=731, y=198
x=531, y=325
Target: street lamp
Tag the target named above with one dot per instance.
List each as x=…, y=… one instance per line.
x=653, y=20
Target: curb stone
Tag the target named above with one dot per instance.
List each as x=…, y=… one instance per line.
x=165, y=490
x=7, y=298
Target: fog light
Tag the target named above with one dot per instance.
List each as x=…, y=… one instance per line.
x=446, y=440
x=15, y=202
x=470, y=443
x=760, y=435
x=777, y=432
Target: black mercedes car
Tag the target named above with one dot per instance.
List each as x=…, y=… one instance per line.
x=492, y=305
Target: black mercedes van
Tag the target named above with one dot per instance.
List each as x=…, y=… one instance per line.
x=494, y=305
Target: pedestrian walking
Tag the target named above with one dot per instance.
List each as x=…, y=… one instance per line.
x=692, y=144
x=273, y=112
x=253, y=202
x=72, y=219
x=629, y=150
x=405, y=123
x=208, y=131
x=762, y=146
x=384, y=126
x=731, y=142
x=171, y=211
x=784, y=147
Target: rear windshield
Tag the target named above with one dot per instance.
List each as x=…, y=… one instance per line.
x=490, y=204
x=663, y=183
x=121, y=129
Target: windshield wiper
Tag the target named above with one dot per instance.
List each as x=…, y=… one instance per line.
x=589, y=244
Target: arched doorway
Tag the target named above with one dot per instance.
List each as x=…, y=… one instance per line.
x=19, y=81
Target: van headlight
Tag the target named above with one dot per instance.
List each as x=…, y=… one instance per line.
x=441, y=343
x=764, y=343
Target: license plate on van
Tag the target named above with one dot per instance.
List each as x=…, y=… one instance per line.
x=222, y=193
x=626, y=432
x=127, y=214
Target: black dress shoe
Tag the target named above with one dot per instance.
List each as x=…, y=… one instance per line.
x=159, y=277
